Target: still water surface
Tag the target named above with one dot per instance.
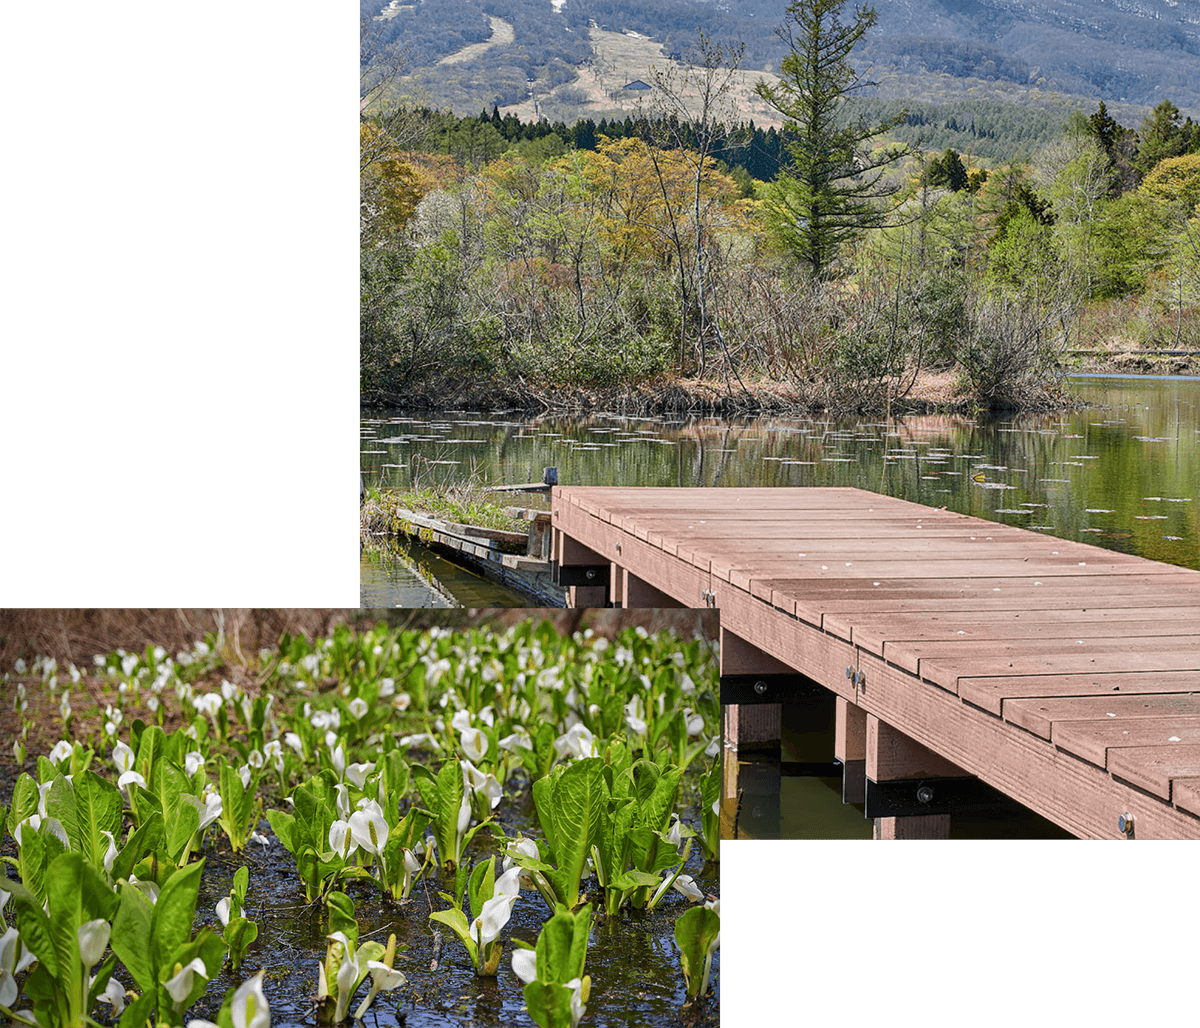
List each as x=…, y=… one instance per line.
x=1123, y=473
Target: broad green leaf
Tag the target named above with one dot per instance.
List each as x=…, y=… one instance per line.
x=456, y=921
x=98, y=807
x=149, y=750
x=33, y=860
x=562, y=945
x=139, y=843
x=167, y=782
x=482, y=884
x=60, y=804
x=34, y=925
x=281, y=823
x=578, y=800
x=549, y=1004
x=239, y=934
x=695, y=932
x=341, y=916
x=130, y=935
x=175, y=909
x=655, y=789
x=24, y=800
x=181, y=826
x=241, y=882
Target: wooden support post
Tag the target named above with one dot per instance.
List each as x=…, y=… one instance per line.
x=568, y=552
x=757, y=722
x=893, y=755
x=637, y=593
x=850, y=747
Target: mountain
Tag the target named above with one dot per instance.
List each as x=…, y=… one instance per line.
x=575, y=58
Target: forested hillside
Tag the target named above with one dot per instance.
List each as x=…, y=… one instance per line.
x=1131, y=52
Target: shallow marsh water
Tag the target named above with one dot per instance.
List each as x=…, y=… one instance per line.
x=1124, y=473
x=633, y=964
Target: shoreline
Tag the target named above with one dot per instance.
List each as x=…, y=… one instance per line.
x=933, y=393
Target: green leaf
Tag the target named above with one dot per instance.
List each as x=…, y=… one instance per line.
x=562, y=945
x=577, y=798
x=34, y=926
x=282, y=824
x=131, y=935
x=456, y=921
x=139, y=843
x=33, y=860
x=150, y=748
x=181, y=826
x=549, y=1004
x=167, y=782
x=24, y=800
x=60, y=804
x=98, y=807
x=175, y=910
x=695, y=932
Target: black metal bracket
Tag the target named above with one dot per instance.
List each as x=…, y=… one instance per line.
x=767, y=688
x=581, y=574
x=912, y=797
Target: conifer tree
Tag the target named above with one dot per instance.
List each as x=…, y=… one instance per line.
x=828, y=192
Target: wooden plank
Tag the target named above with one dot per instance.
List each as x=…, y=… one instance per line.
x=1018, y=626
x=891, y=755
x=946, y=672
x=1094, y=740
x=850, y=731
x=1039, y=716
x=992, y=693
x=1186, y=794
x=1152, y=767
x=926, y=826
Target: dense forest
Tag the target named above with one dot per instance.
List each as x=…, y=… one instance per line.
x=838, y=258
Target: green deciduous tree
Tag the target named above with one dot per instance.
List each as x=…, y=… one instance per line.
x=830, y=191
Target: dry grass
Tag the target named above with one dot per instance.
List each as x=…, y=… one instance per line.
x=618, y=59
x=74, y=636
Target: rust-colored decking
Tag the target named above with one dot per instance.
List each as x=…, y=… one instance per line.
x=1065, y=675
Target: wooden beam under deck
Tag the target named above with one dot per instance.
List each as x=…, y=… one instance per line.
x=1064, y=675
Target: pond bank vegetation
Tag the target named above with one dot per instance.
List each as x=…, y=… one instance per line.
x=511, y=265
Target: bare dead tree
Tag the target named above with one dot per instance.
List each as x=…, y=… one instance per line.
x=693, y=107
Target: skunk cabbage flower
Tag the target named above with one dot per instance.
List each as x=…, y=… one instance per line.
x=113, y=994
x=484, y=785
x=357, y=774
x=110, y=854
x=577, y=742
x=358, y=708
x=520, y=739
x=494, y=915
x=384, y=977
x=369, y=828
x=62, y=751
x=461, y=721
x=687, y=885
x=223, y=911
x=249, y=1006
x=341, y=839
x=180, y=986
x=128, y=778
x=524, y=964
x=694, y=721
x=474, y=743
x=122, y=757
x=93, y=937
x=193, y=761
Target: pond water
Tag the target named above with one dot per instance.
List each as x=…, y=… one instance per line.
x=406, y=574
x=1124, y=473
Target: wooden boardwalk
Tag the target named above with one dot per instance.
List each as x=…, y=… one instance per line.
x=1063, y=675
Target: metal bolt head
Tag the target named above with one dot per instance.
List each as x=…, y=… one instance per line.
x=850, y=673
x=618, y=547
x=589, y=575
x=1125, y=824
x=924, y=794
x=760, y=687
